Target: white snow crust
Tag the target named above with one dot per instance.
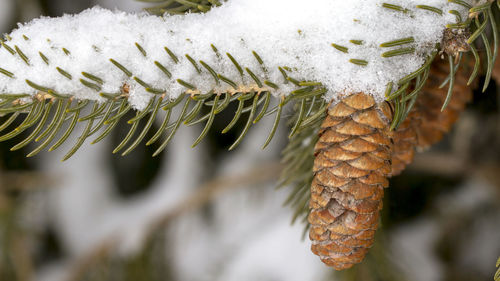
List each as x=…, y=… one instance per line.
x=290, y=33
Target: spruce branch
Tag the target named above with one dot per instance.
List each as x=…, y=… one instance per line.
x=50, y=112
x=250, y=99
x=252, y=87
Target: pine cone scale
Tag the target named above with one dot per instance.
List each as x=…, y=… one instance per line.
x=341, y=154
x=358, y=145
x=377, y=139
x=347, y=171
x=325, y=178
x=359, y=190
x=352, y=128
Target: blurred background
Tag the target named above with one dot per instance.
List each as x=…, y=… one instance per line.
x=208, y=214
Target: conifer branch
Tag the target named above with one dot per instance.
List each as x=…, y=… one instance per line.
x=255, y=93
x=253, y=100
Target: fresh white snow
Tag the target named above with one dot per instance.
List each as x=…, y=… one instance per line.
x=283, y=32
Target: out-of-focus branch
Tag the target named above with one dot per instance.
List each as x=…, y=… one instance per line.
x=442, y=163
x=92, y=258
x=24, y=180
x=452, y=165
x=200, y=197
x=211, y=189
x=20, y=255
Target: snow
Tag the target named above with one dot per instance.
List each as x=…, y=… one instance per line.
x=285, y=33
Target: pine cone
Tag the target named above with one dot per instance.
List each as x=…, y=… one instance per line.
x=405, y=140
x=426, y=124
x=434, y=123
x=496, y=72
x=352, y=162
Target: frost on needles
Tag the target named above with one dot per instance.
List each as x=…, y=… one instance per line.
x=229, y=49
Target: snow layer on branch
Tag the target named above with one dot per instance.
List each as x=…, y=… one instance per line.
x=290, y=33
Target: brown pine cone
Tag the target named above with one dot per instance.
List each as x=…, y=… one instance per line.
x=496, y=72
x=434, y=123
x=352, y=162
x=426, y=124
x=405, y=141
